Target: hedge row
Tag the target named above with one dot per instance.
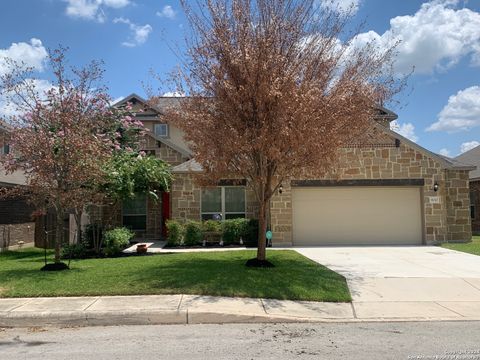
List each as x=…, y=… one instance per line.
x=193, y=233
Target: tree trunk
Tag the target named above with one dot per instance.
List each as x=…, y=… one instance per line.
x=58, y=235
x=78, y=223
x=262, y=229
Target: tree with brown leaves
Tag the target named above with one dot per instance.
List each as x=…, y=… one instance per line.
x=275, y=88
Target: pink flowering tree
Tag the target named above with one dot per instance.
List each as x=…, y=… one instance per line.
x=63, y=136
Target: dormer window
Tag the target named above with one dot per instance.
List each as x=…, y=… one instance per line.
x=161, y=130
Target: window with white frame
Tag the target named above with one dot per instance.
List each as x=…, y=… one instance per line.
x=223, y=202
x=134, y=213
x=161, y=130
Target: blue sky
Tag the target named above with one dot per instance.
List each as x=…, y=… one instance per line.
x=441, y=38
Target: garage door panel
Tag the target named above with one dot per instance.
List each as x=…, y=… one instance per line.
x=356, y=216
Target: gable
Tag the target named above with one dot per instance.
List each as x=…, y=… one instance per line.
x=150, y=115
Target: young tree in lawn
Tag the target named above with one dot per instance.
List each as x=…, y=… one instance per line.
x=62, y=136
x=275, y=88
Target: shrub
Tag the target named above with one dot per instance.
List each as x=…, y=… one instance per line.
x=74, y=251
x=193, y=233
x=116, y=240
x=250, y=238
x=175, y=232
x=212, y=226
x=234, y=229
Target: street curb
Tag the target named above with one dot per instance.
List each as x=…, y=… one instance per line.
x=181, y=317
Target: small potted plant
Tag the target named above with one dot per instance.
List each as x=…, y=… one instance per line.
x=142, y=248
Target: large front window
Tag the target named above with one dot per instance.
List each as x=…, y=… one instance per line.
x=135, y=213
x=226, y=202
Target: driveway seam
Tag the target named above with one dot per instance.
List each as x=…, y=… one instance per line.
x=448, y=309
x=263, y=306
x=353, y=311
x=469, y=283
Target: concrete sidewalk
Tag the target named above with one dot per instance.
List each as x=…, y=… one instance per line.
x=192, y=309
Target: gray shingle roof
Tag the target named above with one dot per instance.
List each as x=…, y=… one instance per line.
x=471, y=157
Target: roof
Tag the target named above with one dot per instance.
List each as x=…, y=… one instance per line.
x=4, y=126
x=15, y=178
x=187, y=167
x=445, y=162
x=471, y=157
x=161, y=103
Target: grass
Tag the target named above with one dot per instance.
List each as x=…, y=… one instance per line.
x=208, y=273
x=471, y=247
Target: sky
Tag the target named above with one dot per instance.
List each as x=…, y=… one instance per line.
x=440, y=39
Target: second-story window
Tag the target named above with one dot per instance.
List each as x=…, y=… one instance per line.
x=161, y=130
x=5, y=149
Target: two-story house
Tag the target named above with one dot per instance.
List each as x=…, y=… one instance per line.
x=388, y=190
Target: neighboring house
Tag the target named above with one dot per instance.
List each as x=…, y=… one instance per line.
x=473, y=157
x=386, y=190
x=16, y=223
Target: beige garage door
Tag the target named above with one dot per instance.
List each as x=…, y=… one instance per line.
x=356, y=216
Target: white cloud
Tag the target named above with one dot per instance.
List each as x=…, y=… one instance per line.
x=341, y=5
x=139, y=35
x=462, y=112
x=167, y=12
x=8, y=109
x=174, y=94
x=92, y=9
x=435, y=38
x=445, y=152
x=32, y=54
x=406, y=130
x=469, y=145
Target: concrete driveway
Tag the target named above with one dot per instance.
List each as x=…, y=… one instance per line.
x=389, y=281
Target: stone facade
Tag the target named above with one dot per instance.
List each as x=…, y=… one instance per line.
x=186, y=199
x=446, y=212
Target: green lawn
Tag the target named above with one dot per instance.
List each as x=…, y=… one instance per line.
x=213, y=273
x=471, y=247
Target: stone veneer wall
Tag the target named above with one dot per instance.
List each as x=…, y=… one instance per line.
x=475, y=191
x=186, y=199
x=394, y=163
x=386, y=162
x=459, y=225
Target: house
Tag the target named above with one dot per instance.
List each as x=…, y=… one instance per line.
x=16, y=223
x=387, y=190
x=473, y=157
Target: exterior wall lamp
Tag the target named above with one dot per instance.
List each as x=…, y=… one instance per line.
x=435, y=186
x=280, y=189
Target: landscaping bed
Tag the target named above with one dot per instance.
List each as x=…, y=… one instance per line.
x=207, y=273
x=472, y=247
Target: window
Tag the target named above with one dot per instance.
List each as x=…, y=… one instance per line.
x=5, y=149
x=161, y=130
x=473, y=202
x=135, y=213
x=228, y=202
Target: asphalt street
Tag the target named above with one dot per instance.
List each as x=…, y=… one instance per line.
x=421, y=340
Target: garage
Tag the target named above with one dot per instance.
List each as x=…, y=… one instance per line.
x=357, y=215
